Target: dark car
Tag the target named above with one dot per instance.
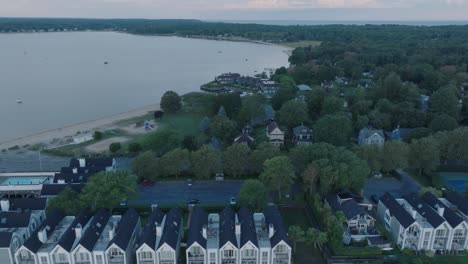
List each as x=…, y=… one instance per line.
x=374, y=199
x=193, y=201
x=147, y=182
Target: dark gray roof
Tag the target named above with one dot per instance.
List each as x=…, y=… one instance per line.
x=304, y=87
x=92, y=162
x=302, y=130
x=198, y=219
x=227, y=227
x=82, y=170
x=248, y=231
x=457, y=200
x=148, y=236
x=55, y=189
x=349, y=207
x=396, y=210
x=272, y=126
x=14, y=219
x=424, y=210
x=94, y=231
x=244, y=138
x=5, y=239
x=171, y=230
x=125, y=229
x=273, y=216
x=68, y=238
x=452, y=218
x=51, y=221
x=72, y=177
x=365, y=133
x=28, y=204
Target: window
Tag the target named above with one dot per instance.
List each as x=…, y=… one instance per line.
x=99, y=259
x=281, y=249
x=146, y=255
x=166, y=255
x=212, y=258
x=44, y=260
x=196, y=251
x=440, y=233
x=228, y=253
x=61, y=257
x=248, y=253
x=82, y=256
x=459, y=233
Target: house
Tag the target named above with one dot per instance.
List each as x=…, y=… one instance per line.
x=105, y=164
x=248, y=246
x=227, y=78
x=302, y=135
x=457, y=202
x=64, y=178
x=151, y=234
x=168, y=247
x=281, y=250
x=398, y=134
x=369, y=136
x=268, y=87
x=198, y=236
x=82, y=138
x=229, y=233
x=121, y=246
x=275, y=134
x=244, y=139
x=327, y=85
x=104, y=238
x=28, y=252
x=36, y=206
x=360, y=224
x=52, y=190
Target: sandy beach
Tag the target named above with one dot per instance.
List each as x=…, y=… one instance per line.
x=59, y=133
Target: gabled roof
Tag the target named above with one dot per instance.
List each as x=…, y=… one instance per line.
x=248, y=231
x=148, y=236
x=452, y=218
x=365, y=133
x=72, y=177
x=125, y=229
x=198, y=219
x=95, y=229
x=424, y=210
x=52, y=220
x=304, y=87
x=273, y=216
x=14, y=219
x=28, y=204
x=55, y=189
x=397, y=211
x=457, y=200
x=227, y=227
x=244, y=138
x=68, y=238
x=92, y=162
x=302, y=130
x=350, y=207
x=5, y=239
x=171, y=229
x=272, y=126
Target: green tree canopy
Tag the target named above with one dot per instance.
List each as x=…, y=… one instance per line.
x=424, y=154
x=332, y=105
x=236, y=160
x=145, y=166
x=264, y=151
x=278, y=174
x=395, y=156
x=175, y=162
x=333, y=129
x=443, y=122
x=445, y=101
x=171, y=102
x=161, y=141
x=223, y=128
x=314, y=100
x=252, y=194
x=67, y=202
x=372, y=154
x=206, y=162
x=293, y=113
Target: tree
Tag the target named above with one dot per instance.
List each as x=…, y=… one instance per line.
x=445, y=101
x=231, y=102
x=284, y=94
x=417, y=133
x=278, y=174
x=264, y=151
x=107, y=189
x=296, y=234
x=372, y=154
x=333, y=129
x=189, y=143
x=97, y=135
x=114, y=147
x=161, y=141
x=145, y=166
x=293, y=113
x=434, y=191
x=223, y=128
x=311, y=237
x=252, y=194
x=443, y=122
x=175, y=162
x=205, y=162
x=310, y=177
x=332, y=105
x=134, y=147
x=171, y=102
x=314, y=100
x=67, y=202
x=253, y=108
x=424, y=154
x=394, y=156
x=236, y=160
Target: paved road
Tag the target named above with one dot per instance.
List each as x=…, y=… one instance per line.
x=394, y=186
x=178, y=193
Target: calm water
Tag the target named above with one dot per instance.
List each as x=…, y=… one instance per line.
x=63, y=80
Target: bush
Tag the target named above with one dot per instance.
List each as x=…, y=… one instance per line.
x=97, y=135
x=114, y=147
x=134, y=147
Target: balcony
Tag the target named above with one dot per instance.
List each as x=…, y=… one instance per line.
x=228, y=260
x=281, y=258
x=116, y=260
x=83, y=262
x=27, y=261
x=249, y=261
x=196, y=259
x=167, y=261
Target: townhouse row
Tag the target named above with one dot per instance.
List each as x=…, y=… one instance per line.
x=427, y=223
x=103, y=238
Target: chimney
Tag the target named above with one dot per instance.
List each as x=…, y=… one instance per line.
x=238, y=229
x=158, y=229
x=204, y=232
x=5, y=205
x=75, y=170
x=82, y=163
x=42, y=235
x=271, y=230
x=413, y=213
x=440, y=210
x=78, y=230
x=112, y=230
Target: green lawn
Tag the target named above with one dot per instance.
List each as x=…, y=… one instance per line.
x=299, y=44
x=307, y=254
x=184, y=123
x=294, y=216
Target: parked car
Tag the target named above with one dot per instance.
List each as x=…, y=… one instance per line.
x=189, y=182
x=193, y=201
x=147, y=182
x=123, y=202
x=233, y=200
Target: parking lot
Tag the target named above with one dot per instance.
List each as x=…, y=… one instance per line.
x=170, y=193
x=396, y=187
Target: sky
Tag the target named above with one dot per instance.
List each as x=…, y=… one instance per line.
x=334, y=10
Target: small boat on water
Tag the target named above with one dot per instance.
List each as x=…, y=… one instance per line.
x=19, y=101
x=106, y=62
x=220, y=52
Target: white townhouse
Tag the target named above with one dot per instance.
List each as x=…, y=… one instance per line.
x=275, y=134
x=121, y=246
x=229, y=230
x=151, y=234
x=248, y=247
x=197, y=238
x=281, y=250
x=168, y=246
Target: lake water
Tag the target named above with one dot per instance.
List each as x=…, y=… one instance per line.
x=62, y=78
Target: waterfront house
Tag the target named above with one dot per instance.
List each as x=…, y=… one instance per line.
x=302, y=135
x=229, y=234
x=168, y=247
x=275, y=134
x=82, y=138
x=227, y=78
x=368, y=136
x=268, y=87
x=458, y=203
x=150, y=236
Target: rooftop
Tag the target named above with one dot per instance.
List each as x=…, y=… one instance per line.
x=55, y=236
x=104, y=238
x=262, y=230
x=422, y=221
x=212, y=231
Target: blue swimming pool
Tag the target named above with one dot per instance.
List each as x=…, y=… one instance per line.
x=23, y=180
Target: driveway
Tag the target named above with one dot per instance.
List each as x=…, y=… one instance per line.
x=394, y=186
x=170, y=193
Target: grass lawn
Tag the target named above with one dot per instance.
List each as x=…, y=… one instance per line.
x=184, y=123
x=299, y=44
x=294, y=216
x=307, y=254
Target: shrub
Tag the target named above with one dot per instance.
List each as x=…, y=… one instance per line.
x=97, y=135
x=114, y=147
x=134, y=147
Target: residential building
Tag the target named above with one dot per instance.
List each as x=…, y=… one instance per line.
x=168, y=247
x=52, y=190
x=65, y=178
x=398, y=134
x=302, y=135
x=248, y=246
x=244, y=139
x=197, y=247
x=268, y=87
x=275, y=134
x=87, y=164
x=458, y=203
x=229, y=232
x=150, y=236
x=369, y=136
x=227, y=78
x=360, y=224
x=101, y=244
x=281, y=251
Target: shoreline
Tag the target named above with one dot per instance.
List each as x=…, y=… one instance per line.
x=46, y=137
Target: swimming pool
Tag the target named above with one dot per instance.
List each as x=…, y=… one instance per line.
x=23, y=180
